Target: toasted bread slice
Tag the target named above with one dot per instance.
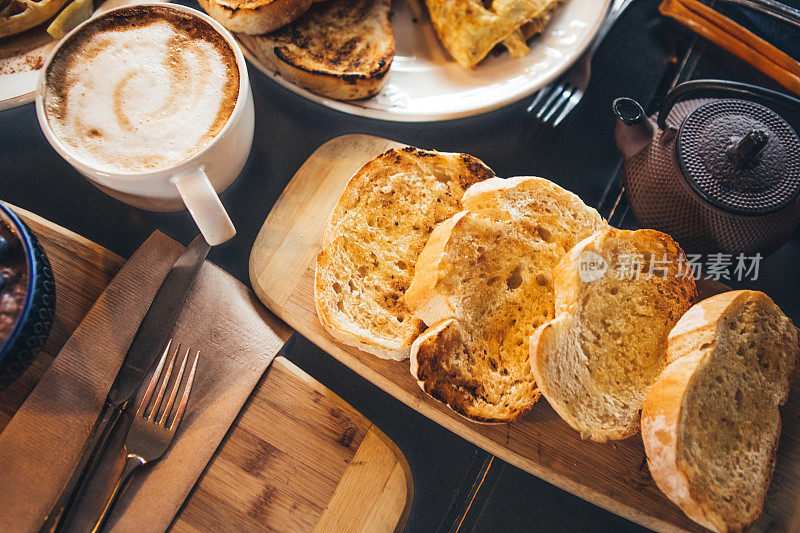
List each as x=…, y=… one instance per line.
x=372, y=240
x=483, y=284
x=17, y=16
x=469, y=29
x=341, y=49
x=710, y=423
x=618, y=295
x=254, y=17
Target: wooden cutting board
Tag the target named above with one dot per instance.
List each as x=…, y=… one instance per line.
x=612, y=475
x=296, y=458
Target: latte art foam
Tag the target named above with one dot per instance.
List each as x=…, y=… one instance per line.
x=141, y=89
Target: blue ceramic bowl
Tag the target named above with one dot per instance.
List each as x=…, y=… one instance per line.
x=33, y=324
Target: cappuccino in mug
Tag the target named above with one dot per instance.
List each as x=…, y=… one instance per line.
x=140, y=89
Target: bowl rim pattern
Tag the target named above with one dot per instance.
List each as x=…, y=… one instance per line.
x=22, y=232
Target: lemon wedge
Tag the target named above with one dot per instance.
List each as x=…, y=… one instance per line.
x=72, y=15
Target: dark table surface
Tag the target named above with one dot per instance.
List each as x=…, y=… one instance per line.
x=642, y=56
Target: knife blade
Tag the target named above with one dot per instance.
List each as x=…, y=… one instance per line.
x=147, y=344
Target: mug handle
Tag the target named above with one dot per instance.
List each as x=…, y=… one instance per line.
x=203, y=203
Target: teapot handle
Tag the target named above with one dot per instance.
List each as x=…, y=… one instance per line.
x=751, y=92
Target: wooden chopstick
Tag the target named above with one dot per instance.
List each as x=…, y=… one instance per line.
x=736, y=39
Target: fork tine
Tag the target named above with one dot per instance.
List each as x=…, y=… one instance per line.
x=571, y=104
x=157, y=402
x=555, y=94
x=557, y=105
x=539, y=96
x=175, y=388
x=186, y=391
x=154, y=380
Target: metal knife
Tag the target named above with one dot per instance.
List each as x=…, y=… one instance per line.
x=145, y=348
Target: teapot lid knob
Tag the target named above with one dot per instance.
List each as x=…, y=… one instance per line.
x=740, y=156
x=743, y=150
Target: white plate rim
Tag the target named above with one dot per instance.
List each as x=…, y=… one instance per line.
x=393, y=115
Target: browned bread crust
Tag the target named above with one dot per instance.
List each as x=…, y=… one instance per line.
x=710, y=423
x=483, y=284
x=372, y=240
x=608, y=343
x=340, y=49
x=254, y=17
x=17, y=16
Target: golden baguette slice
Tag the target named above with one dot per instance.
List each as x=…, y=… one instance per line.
x=341, y=49
x=483, y=284
x=254, y=17
x=372, y=240
x=710, y=423
x=618, y=295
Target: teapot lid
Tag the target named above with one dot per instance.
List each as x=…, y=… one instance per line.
x=740, y=156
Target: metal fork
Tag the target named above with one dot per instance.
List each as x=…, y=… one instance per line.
x=553, y=102
x=150, y=435
x=772, y=8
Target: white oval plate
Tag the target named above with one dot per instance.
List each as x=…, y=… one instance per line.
x=21, y=58
x=425, y=84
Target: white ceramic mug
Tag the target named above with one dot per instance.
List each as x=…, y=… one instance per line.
x=193, y=183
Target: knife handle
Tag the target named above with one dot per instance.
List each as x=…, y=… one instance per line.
x=61, y=513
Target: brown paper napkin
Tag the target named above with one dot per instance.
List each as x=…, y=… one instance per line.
x=237, y=339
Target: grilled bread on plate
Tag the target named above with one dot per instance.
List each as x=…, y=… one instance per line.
x=483, y=284
x=17, y=16
x=372, y=241
x=711, y=423
x=469, y=29
x=618, y=295
x=254, y=17
x=340, y=49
